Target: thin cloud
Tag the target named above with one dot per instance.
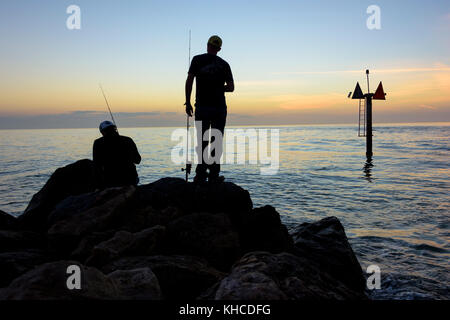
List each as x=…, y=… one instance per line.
x=427, y=106
x=305, y=102
x=259, y=83
x=398, y=70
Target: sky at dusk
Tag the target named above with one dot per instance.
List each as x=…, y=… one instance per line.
x=293, y=62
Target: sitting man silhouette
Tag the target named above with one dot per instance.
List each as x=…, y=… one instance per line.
x=115, y=157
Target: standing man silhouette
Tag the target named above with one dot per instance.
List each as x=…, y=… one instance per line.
x=213, y=78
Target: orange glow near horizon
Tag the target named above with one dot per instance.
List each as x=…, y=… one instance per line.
x=408, y=90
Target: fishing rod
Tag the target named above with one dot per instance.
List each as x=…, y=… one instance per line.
x=189, y=58
x=188, y=167
x=107, y=104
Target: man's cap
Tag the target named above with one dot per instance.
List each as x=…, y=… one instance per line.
x=215, y=41
x=106, y=124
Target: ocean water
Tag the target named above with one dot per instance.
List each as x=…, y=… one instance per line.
x=395, y=210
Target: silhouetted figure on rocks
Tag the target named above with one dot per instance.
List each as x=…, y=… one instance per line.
x=213, y=78
x=115, y=157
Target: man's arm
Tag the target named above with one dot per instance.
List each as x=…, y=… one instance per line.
x=188, y=92
x=229, y=82
x=229, y=86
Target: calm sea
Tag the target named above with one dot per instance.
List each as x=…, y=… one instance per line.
x=395, y=211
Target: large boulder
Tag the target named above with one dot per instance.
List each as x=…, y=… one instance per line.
x=284, y=276
x=165, y=192
x=15, y=263
x=207, y=235
x=49, y=282
x=73, y=179
x=262, y=230
x=7, y=221
x=180, y=277
x=325, y=243
x=221, y=197
x=74, y=206
x=137, y=284
x=168, y=199
x=72, y=223
x=125, y=243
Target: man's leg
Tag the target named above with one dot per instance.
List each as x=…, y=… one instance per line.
x=200, y=170
x=217, y=123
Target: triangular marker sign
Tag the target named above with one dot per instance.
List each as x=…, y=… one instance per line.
x=357, y=93
x=379, y=94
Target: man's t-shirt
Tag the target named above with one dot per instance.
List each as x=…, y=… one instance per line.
x=114, y=161
x=211, y=73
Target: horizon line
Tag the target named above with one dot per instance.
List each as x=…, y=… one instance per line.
x=248, y=125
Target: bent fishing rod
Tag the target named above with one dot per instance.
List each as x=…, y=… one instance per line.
x=107, y=104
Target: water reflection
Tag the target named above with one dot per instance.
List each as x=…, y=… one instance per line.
x=368, y=169
x=320, y=175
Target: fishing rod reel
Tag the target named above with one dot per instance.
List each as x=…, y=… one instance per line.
x=187, y=169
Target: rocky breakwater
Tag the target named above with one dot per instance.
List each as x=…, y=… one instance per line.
x=168, y=240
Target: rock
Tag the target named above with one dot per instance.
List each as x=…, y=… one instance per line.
x=146, y=242
x=102, y=215
x=7, y=221
x=283, y=276
x=87, y=244
x=157, y=203
x=146, y=217
x=13, y=264
x=206, y=235
x=73, y=179
x=222, y=197
x=110, y=249
x=74, y=206
x=180, y=277
x=48, y=282
x=325, y=243
x=124, y=243
x=164, y=193
x=137, y=284
x=13, y=240
x=263, y=231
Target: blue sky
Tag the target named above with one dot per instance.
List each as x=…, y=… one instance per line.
x=277, y=50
